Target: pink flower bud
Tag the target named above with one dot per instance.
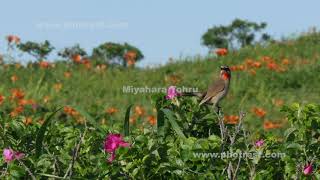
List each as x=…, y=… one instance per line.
x=259, y=143
x=308, y=169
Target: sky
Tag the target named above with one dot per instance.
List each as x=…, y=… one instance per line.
x=161, y=29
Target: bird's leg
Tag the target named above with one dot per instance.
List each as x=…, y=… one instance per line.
x=219, y=110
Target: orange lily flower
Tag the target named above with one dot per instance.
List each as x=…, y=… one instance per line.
x=305, y=62
x=257, y=64
x=271, y=125
x=139, y=110
x=101, y=67
x=86, y=63
x=67, y=74
x=272, y=66
x=23, y=102
x=27, y=121
x=252, y=72
x=76, y=58
x=249, y=62
x=285, y=62
x=133, y=119
x=131, y=62
x=173, y=79
x=233, y=68
x=17, y=94
x=267, y=59
x=14, y=78
x=70, y=111
x=80, y=120
x=41, y=121
x=16, y=111
x=44, y=64
x=221, y=51
x=57, y=86
x=46, y=99
x=13, y=39
x=17, y=65
x=232, y=119
x=282, y=69
x=277, y=102
x=130, y=55
x=152, y=120
x=259, y=112
x=241, y=67
x=2, y=98
x=112, y=110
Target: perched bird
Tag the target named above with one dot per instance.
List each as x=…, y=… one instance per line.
x=218, y=89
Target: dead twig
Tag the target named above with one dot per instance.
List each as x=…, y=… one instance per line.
x=75, y=154
x=27, y=169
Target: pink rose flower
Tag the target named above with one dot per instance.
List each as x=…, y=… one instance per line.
x=112, y=143
x=308, y=169
x=10, y=155
x=259, y=143
x=172, y=92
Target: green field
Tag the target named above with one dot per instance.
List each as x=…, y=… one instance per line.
x=96, y=90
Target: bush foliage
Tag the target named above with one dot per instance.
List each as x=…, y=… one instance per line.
x=239, y=33
x=114, y=53
x=38, y=50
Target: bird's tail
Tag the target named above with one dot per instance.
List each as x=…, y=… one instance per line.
x=198, y=94
x=202, y=102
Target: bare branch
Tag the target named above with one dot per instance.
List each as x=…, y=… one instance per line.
x=27, y=169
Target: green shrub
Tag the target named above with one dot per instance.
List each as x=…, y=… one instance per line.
x=38, y=50
x=178, y=148
x=114, y=53
x=239, y=33
x=69, y=52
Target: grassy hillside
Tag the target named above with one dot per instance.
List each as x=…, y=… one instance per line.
x=93, y=138
x=263, y=79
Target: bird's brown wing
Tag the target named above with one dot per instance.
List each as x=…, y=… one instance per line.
x=213, y=90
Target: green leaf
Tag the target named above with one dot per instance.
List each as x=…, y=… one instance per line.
x=50, y=176
x=214, y=139
x=40, y=82
x=126, y=121
x=160, y=115
x=142, y=139
x=174, y=123
x=16, y=172
x=289, y=132
x=42, y=131
x=160, y=119
x=294, y=146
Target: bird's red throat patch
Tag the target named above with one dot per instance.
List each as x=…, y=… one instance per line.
x=225, y=76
